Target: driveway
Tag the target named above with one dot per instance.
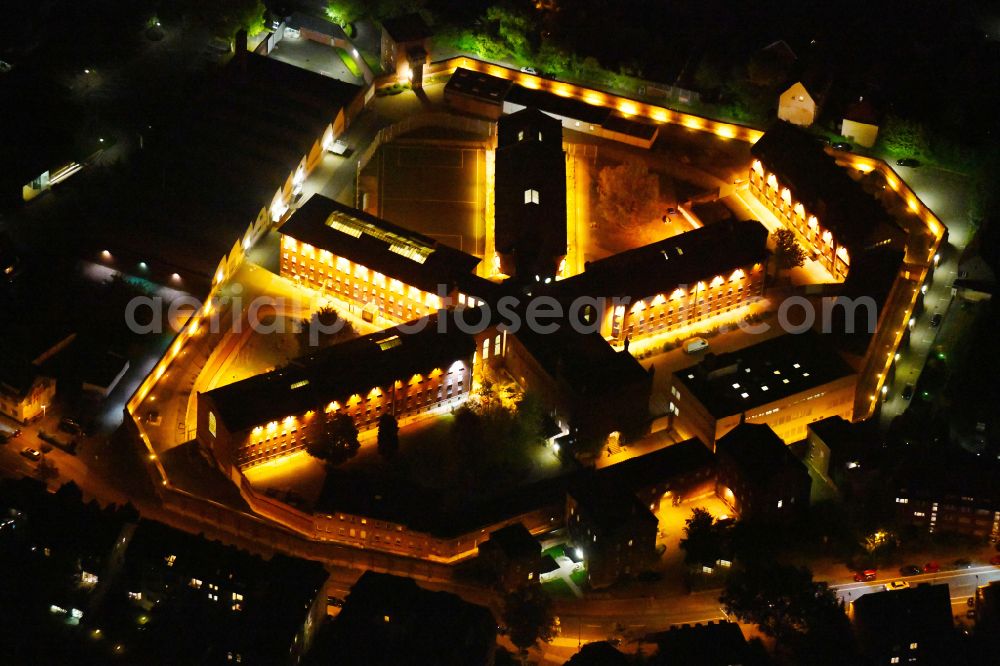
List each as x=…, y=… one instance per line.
x=314, y=57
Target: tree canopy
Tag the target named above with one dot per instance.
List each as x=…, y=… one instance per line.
x=703, y=540
x=787, y=251
x=338, y=441
x=529, y=617
x=629, y=195
x=388, y=435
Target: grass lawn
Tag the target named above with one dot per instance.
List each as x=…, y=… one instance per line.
x=349, y=62
x=373, y=62
x=555, y=551
x=579, y=577
x=557, y=588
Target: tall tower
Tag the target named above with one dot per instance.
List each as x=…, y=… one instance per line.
x=530, y=195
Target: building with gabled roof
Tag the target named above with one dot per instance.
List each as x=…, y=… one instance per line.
x=909, y=626
x=794, y=177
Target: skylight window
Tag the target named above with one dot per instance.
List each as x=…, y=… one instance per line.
x=784, y=381
x=417, y=254
x=763, y=388
x=304, y=382
x=796, y=365
x=777, y=372
x=805, y=374
x=531, y=196
x=345, y=228
x=736, y=386
x=389, y=343
x=744, y=395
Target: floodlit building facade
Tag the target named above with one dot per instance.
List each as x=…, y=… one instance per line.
x=797, y=106
x=394, y=372
x=383, y=272
x=832, y=216
x=676, y=282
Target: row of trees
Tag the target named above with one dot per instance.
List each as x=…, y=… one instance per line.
x=338, y=440
x=346, y=12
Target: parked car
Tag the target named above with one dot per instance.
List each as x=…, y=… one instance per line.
x=932, y=567
x=69, y=425
x=841, y=145
x=529, y=70
x=31, y=454
x=936, y=320
x=911, y=570
x=897, y=585
x=695, y=345
x=908, y=162
x=962, y=563
x=866, y=575
x=995, y=560
x=907, y=391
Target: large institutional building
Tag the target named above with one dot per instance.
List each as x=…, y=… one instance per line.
x=785, y=382
x=830, y=213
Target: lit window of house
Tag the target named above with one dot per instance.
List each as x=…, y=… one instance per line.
x=170, y=559
x=531, y=196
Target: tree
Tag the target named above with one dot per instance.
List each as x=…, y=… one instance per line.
x=629, y=193
x=527, y=612
x=787, y=251
x=702, y=542
x=325, y=327
x=345, y=12
x=902, y=137
x=800, y=614
x=227, y=17
x=338, y=441
x=514, y=26
x=388, y=435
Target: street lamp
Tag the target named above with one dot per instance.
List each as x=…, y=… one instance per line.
x=937, y=258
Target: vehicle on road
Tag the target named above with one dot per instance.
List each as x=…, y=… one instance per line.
x=695, y=345
x=866, y=575
x=932, y=567
x=908, y=162
x=911, y=570
x=897, y=585
x=842, y=145
x=936, y=320
x=31, y=454
x=995, y=560
x=907, y=391
x=529, y=70
x=69, y=425
x=8, y=432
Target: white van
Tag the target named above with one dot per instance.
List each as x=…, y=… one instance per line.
x=695, y=345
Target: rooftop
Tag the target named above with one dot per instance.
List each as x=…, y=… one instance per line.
x=856, y=219
x=340, y=371
x=769, y=371
x=478, y=84
x=895, y=617
x=669, y=462
x=682, y=260
x=711, y=644
x=757, y=451
x=377, y=244
x=516, y=541
x=608, y=507
x=552, y=103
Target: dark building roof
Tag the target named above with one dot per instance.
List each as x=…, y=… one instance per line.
x=630, y=126
x=667, y=463
x=950, y=476
x=585, y=362
x=482, y=86
x=407, y=28
x=389, y=619
x=887, y=622
x=758, y=453
x=742, y=380
x=567, y=107
x=598, y=653
x=340, y=371
x=103, y=371
x=277, y=592
x=856, y=219
x=861, y=111
x=301, y=20
x=515, y=541
x=377, y=244
x=660, y=267
x=609, y=509
x=711, y=644
x=16, y=377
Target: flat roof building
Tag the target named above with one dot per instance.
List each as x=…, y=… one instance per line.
x=477, y=93
x=786, y=382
